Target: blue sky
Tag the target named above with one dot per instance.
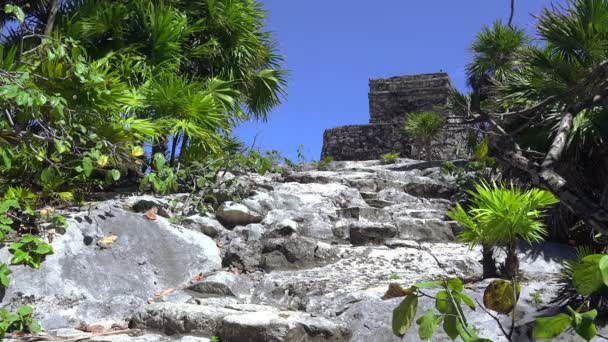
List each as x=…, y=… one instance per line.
x=333, y=47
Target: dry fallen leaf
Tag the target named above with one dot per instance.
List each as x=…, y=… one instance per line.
x=219, y=244
x=47, y=211
x=197, y=278
x=108, y=240
x=395, y=290
x=150, y=214
x=164, y=292
x=151, y=302
x=469, y=286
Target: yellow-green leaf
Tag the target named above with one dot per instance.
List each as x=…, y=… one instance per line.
x=498, y=296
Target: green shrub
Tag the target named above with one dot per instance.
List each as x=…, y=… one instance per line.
x=323, y=164
x=501, y=215
x=424, y=128
x=390, y=158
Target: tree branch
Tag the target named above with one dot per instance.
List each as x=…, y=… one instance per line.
x=559, y=142
x=512, y=14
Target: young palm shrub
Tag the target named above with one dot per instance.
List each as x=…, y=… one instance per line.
x=501, y=215
x=424, y=128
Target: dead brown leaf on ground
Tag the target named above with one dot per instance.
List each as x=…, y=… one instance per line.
x=164, y=292
x=150, y=214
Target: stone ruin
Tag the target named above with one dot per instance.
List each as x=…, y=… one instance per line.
x=390, y=100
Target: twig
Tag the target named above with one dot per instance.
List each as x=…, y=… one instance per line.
x=495, y=318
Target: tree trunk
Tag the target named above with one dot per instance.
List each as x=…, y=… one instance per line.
x=52, y=14
x=488, y=262
x=511, y=268
x=173, y=149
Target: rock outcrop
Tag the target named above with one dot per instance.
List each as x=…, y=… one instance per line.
x=307, y=257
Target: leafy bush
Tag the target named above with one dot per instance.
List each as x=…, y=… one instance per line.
x=161, y=179
x=390, y=158
x=424, y=128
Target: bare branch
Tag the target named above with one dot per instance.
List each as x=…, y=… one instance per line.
x=512, y=13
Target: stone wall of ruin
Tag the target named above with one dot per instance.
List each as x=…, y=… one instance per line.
x=389, y=101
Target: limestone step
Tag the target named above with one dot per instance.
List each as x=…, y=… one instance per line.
x=239, y=322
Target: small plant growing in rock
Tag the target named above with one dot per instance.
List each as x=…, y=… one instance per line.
x=425, y=128
x=30, y=250
x=501, y=215
x=21, y=321
x=323, y=164
x=390, y=158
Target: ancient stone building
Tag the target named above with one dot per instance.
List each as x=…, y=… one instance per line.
x=390, y=100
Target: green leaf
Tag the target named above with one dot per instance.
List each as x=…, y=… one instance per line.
x=44, y=248
x=443, y=302
x=48, y=175
x=19, y=257
x=550, y=327
x=403, y=315
x=87, y=165
x=466, y=299
x=449, y=326
x=25, y=311
x=60, y=146
x=34, y=327
x=584, y=324
x=115, y=174
x=16, y=11
x=455, y=284
x=587, y=276
x=428, y=324
x=428, y=284
x=603, y=264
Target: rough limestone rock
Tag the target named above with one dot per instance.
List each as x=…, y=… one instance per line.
x=206, y=225
x=362, y=233
x=233, y=214
x=323, y=249
x=240, y=322
x=222, y=284
x=86, y=281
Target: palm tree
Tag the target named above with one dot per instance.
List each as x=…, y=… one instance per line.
x=425, y=128
x=495, y=55
x=502, y=215
x=202, y=66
